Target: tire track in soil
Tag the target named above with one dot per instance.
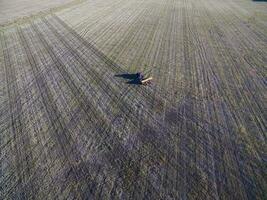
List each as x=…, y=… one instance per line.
x=111, y=63
x=85, y=104
x=200, y=51
x=122, y=88
x=192, y=132
x=65, y=74
x=5, y=136
x=246, y=181
x=32, y=118
x=22, y=163
x=85, y=28
x=105, y=31
x=60, y=134
x=115, y=69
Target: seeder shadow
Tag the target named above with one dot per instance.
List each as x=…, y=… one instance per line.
x=132, y=78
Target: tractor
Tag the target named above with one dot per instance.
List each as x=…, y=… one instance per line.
x=142, y=79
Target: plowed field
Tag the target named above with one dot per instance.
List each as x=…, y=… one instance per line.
x=74, y=126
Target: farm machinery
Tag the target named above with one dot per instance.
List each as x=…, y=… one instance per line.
x=142, y=79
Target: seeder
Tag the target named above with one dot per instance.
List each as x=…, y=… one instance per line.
x=142, y=79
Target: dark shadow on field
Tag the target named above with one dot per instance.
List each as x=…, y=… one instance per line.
x=127, y=76
x=133, y=82
x=132, y=78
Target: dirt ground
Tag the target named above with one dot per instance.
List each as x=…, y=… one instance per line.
x=11, y=10
x=74, y=125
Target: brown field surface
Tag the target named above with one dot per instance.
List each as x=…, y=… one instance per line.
x=11, y=10
x=73, y=126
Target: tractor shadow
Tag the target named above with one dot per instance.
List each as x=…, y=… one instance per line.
x=131, y=78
